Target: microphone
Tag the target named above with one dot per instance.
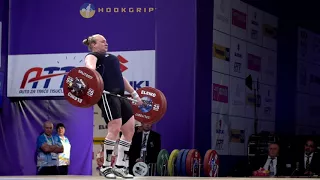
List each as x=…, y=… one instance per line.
x=297, y=168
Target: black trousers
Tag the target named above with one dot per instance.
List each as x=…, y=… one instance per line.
x=63, y=170
x=49, y=170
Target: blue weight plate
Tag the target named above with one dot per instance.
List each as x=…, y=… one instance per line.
x=184, y=162
x=178, y=163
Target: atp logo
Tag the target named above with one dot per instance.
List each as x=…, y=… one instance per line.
x=122, y=61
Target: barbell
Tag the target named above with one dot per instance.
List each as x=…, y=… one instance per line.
x=83, y=87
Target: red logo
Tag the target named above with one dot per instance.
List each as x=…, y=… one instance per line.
x=239, y=19
x=122, y=61
x=254, y=62
x=220, y=93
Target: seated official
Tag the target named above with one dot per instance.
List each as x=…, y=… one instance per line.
x=309, y=161
x=273, y=163
x=48, y=147
x=64, y=157
x=145, y=146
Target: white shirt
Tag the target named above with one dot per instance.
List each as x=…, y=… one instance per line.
x=144, y=133
x=305, y=159
x=266, y=165
x=64, y=158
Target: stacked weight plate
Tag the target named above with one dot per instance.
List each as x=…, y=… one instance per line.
x=162, y=162
x=187, y=162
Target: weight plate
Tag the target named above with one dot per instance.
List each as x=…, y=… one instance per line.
x=140, y=169
x=193, y=163
x=83, y=87
x=172, y=161
x=162, y=161
x=211, y=163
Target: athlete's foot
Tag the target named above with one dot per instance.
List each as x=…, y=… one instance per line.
x=107, y=172
x=122, y=172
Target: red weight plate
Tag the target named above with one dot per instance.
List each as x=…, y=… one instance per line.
x=193, y=163
x=91, y=94
x=164, y=109
x=100, y=83
x=211, y=163
x=151, y=111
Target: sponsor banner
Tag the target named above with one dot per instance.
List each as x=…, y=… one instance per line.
x=269, y=31
x=240, y=130
x=254, y=34
x=238, y=59
x=254, y=62
x=127, y=25
x=220, y=93
x=254, y=56
x=237, y=97
x=43, y=74
x=239, y=19
x=237, y=136
x=268, y=103
x=250, y=100
x=269, y=67
x=221, y=52
x=220, y=133
x=99, y=125
x=222, y=16
x=308, y=46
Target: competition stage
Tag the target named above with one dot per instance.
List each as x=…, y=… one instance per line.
x=94, y=177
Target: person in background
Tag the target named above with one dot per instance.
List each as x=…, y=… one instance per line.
x=146, y=146
x=64, y=157
x=272, y=162
x=309, y=161
x=138, y=127
x=48, y=147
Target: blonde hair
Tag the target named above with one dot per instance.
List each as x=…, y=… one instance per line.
x=90, y=40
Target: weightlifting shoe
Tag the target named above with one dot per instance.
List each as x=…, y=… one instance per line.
x=107, y=172
x=122, y=172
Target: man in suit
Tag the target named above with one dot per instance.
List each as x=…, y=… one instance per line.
x=309, y=162
x=145, y=146
x=272, y=162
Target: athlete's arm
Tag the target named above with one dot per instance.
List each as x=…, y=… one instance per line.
x=90, y=61
x=127, y=86
x=130, y=89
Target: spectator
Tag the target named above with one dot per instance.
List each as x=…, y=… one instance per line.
x=48, y=147
x=64, y=157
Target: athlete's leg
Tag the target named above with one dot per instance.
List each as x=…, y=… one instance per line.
x=127, y=130
x=110, y=108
